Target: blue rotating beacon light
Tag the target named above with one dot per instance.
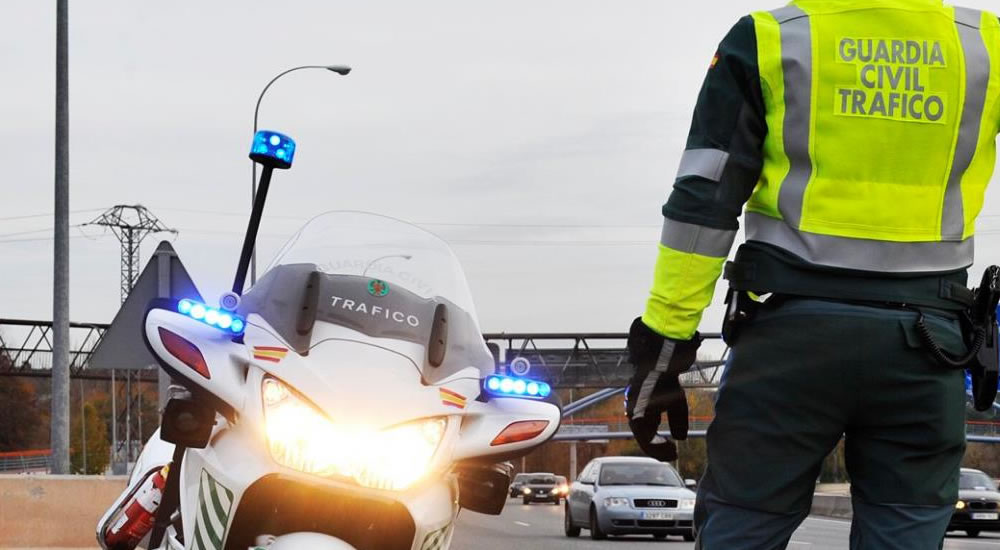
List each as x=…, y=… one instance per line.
x=272, y=150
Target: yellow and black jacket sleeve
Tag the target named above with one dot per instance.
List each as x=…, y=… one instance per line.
x=718, y=171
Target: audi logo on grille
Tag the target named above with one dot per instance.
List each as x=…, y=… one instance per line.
x=656, y=503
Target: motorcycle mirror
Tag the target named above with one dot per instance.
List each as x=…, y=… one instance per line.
x=483, y=488
x=438, y=344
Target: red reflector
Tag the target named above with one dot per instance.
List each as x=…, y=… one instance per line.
x=520, y=431
x=188, y=353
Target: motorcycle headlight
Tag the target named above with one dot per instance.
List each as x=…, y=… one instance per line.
x=302, y=438
x=686, y=504
x=613, y=502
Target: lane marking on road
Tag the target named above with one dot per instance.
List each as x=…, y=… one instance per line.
x=522, y=524
x=957, y=543
x=838, y=521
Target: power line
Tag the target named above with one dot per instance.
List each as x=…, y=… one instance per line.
x=43, y=239
x=47, y=215
x=448, y=224
x=18, y=233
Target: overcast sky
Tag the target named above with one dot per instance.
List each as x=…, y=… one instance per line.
x=502, y=126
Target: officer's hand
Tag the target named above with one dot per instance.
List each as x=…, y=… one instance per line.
x=655, y=388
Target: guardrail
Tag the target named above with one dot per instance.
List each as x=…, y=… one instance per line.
x=26, y=461
x=977, y=431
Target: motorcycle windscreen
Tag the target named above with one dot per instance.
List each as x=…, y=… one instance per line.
x=292, y=298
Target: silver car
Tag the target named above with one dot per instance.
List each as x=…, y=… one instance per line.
x=630, y=495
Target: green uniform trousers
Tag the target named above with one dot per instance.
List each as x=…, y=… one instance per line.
x=804, y=373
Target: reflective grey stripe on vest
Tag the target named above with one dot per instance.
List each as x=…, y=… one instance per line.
x=861, y=254
x=697, y=239
x=796, y=65
x=977, y=79
x=705, y=163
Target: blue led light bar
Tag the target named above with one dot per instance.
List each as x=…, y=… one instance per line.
x=218, y=318
x=511, y=386
x=273, y=149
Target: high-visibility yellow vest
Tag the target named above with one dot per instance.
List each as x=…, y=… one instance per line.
x=881, y=123
x=882, y=119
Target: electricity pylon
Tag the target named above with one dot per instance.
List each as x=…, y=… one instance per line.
x=131, y=224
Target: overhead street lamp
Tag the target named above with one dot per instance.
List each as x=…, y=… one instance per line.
x=342, y=70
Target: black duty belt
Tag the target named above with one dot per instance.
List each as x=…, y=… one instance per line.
x=975, y=308
x=945, y=292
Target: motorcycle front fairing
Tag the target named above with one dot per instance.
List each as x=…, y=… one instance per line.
x=343, y=364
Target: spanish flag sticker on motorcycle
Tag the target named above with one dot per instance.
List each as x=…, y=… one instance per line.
x=269, y=353
x=451, y=398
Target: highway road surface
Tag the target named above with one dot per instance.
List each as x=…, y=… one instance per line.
x=539, y=527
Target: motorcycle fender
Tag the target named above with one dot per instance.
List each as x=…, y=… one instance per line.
x=308, y=541
x=223, y=376
x=433, y=509
x=485, y=421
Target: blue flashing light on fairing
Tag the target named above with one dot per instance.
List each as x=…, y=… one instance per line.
x=222, y=320
x=510, y=386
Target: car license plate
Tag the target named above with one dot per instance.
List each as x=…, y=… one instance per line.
x=657, y=515
x=985, y=515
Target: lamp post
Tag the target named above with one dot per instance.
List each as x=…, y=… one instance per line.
x=342, y=70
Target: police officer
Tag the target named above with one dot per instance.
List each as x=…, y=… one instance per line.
x=860, y=135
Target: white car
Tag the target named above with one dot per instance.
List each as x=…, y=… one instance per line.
x=630, y=495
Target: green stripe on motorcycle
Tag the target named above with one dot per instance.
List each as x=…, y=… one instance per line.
x=198, y=543
x=216, y=539
x=221, y=514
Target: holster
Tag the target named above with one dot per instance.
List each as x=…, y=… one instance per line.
x=740, y=310
x=985, y=372
x=984, y=368
x=980, y=331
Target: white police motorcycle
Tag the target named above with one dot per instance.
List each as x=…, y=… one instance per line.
x=347, y=400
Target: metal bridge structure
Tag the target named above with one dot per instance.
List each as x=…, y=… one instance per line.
x=26, y=346
x=591, y=367
x=593, y=360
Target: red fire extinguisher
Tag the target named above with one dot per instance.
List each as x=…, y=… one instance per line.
x=137, y=517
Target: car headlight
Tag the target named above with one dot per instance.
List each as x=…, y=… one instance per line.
x=686, y=504
x=614, y=502
x=302, y=438
x=960, y=505
x=526, y=491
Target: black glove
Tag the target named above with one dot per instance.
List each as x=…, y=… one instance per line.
x=655, y=388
